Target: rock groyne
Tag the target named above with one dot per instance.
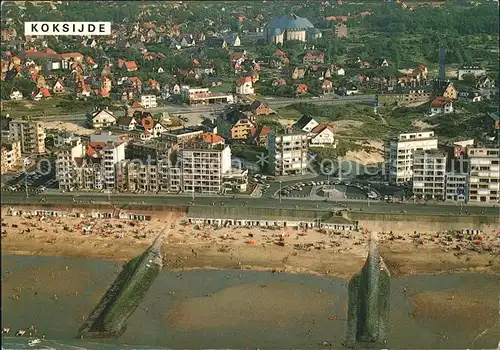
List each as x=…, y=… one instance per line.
x=368, y=307
x=109, y=317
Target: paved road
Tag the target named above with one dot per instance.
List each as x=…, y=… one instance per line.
x=205, y=110
x=332, y=99
x=123, y=199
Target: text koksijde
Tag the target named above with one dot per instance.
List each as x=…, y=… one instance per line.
x=66, y=28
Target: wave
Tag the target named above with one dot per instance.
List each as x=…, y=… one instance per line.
x=16, y=343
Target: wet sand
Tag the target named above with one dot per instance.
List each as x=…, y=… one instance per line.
x=457, y=309
x=247, y=309
x=240, y=305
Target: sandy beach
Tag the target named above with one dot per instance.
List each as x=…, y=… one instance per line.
x=188, y=246
x=206, y=269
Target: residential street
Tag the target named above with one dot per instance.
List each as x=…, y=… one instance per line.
x=194, y=113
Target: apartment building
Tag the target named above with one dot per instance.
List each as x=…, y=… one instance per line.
x=203, y=166
x=241, y=129
x=148, y=176
x=404, y=95
x=399, y=154
x=429, y=174
x=288, y=153
x=148, y=101
x=31, y=135
x=484, y=175
x=65, y=164
x=456, y=187
x=87, y=173
x=11, y=154
x=112, y=154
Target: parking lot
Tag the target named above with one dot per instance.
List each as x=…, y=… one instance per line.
x=345, y=189
x=37, y=179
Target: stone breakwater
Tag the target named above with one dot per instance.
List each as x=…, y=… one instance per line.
x=110, y=316
x=368, y=306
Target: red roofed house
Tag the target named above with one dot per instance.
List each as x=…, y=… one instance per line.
x=244, y=86
x=420, y=72
x=279, y=82
x=85, y=90
x=259, y=135
x=73, y=56
x=301, y=89
x=313, y=57
x=91, y=62
x=136, y=105
x=327, y=86
x=440, y=105
x=279, y=53
x=91, y=152
x=260, y=108
x=136, y=83
x=130, y=66
x=153, y=84
x=42, y=93
x=322, y=135
x=211, y=138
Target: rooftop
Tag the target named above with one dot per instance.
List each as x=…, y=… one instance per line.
x=407, y=90
x=270, y=214
x=289, y=22
x=184, y=131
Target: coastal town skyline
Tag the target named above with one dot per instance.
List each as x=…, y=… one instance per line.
x=305, y=164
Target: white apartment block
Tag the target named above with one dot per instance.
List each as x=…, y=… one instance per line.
x=148, y=101
x=429, y=173
x=87, y=174
x=65, y=164
x=484, y=175
x=11, y=155
x=399, y=154
x=112, y=154
x=202, y=168
x=456, y=187
x=288, y=153
x=31, y=134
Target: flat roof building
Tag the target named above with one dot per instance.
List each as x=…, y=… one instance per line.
x=484, y=175
x=288, y=153
x=429, y=169
x=399, y=154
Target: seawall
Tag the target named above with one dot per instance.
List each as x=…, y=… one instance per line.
x=102, y=206
x=401, y=223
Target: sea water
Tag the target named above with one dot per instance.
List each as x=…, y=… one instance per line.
x=216, y=308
